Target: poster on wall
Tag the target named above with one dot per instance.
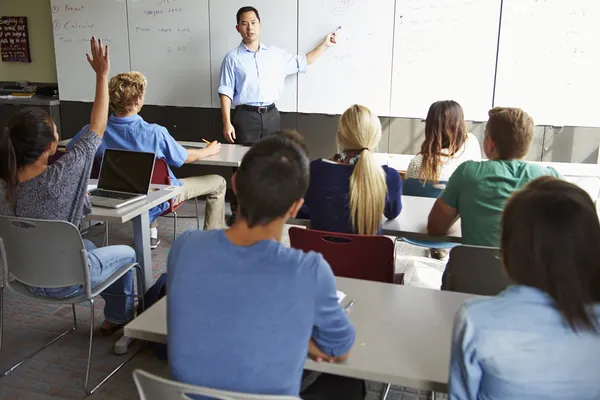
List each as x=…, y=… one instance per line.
x=14, y=39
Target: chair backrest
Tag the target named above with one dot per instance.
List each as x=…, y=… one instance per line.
x=160, y=176
x=152, y=387
x=364, y=257
x=42, y=253
x=474, y=269
x=416, y=187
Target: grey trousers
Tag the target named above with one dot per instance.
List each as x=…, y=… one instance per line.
x=251, y=126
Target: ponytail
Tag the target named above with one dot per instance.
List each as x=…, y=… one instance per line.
x=8, y=164
x=367, y=194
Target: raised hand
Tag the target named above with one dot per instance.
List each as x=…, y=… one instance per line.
x=99, y=59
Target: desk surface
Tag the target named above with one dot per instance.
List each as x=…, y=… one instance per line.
x=403, y=334
x=230, y=155
x=158, y=194
x=36, y=100
x=412, y=221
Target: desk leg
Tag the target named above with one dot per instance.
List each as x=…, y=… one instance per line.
x=141, y=234
x=143, y=253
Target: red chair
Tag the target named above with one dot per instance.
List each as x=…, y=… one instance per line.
x=160, y=176
x=369, y=258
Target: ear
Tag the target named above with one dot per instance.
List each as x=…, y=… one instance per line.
x=237, y=28
x=234, y=182
x=295, y=208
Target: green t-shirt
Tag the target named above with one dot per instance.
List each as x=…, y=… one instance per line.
x=479, y=190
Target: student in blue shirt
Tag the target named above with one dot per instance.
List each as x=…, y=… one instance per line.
x=350, y=192
x=127, y=130
x=538, y=339
x=244, y=311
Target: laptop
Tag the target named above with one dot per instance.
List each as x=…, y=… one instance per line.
x=124, y=178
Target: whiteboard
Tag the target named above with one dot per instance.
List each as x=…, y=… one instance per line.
x=169, y=42
x=74, y=23
x=359, y=68
x=280, y=29
x=444, y=50
x=549, y=60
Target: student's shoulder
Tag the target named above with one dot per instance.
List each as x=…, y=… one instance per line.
x=306, y=262
x=197, y=240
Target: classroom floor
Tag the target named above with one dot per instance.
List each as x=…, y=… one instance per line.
x=59, y=371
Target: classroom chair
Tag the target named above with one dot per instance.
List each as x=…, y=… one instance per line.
x=152, y=387
x=370, y=258
x=160, y=176
x=51, y=254
x=417, y=188
x=476, y=270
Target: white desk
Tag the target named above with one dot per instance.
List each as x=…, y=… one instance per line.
x=230, y=155
x=403, y=334
x=412, y=221
x=138, y=213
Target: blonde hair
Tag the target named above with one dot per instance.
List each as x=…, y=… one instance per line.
x=511, y=130
x=126, y=90
x=360, y=129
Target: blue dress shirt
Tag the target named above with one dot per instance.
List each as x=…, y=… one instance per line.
x=133, y=133
x=257, y=78
x=518, y=346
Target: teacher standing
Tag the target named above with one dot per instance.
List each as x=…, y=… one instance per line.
x=252, y=79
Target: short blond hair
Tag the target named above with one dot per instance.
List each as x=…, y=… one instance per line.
x=512, y=131
x=126, y=90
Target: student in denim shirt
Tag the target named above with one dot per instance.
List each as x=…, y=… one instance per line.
x=538, y=339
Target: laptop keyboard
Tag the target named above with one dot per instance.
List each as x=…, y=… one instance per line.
x=112, y=195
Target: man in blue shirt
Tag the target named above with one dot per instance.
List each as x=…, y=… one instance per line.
x=244, y=310
x=126, y=130
x=253, y=77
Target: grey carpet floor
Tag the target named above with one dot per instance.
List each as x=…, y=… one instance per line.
x=58, y=372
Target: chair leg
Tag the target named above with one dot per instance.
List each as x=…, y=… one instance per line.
x=197, y=216
x=15, y=366
x=74, y=317
x=386, y=391
x=433, y=395
x=89, y=362
x=105, y=242
x=174, y=225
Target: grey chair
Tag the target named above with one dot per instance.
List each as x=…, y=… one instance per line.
x=152, y=387
x=51, y=254
x=475, y=269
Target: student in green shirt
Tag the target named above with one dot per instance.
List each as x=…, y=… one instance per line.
x=477, y=191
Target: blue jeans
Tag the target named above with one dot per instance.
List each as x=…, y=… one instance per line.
x=103, y=262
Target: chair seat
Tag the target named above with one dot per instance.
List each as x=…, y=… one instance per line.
x=430, y=244
x=23, y=290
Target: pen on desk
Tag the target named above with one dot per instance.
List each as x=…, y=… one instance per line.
x=348, y=308
x=205, y=141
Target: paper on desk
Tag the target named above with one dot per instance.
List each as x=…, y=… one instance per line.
x=92, y=187
x=340, y=295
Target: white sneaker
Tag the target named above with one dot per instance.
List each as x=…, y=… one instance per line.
x=154, y=242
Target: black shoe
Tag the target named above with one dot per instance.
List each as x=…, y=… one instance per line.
x=154, y=242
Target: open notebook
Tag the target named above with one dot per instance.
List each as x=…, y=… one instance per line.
x=340, y=295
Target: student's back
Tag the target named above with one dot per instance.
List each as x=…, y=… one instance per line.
x=251, y=310
x=538, y=339
x=479, y=190
x=242, y=308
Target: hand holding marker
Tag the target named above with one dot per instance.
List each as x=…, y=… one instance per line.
x=333, y=36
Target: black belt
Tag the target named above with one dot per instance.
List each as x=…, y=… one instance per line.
x=258, y=109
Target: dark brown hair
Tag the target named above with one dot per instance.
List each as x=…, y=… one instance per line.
x=550, y=237
x=23, y=140
x=444, y=129
x=511, y=130
x=273, y=175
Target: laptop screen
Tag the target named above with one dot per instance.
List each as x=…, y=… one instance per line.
x=126, y=171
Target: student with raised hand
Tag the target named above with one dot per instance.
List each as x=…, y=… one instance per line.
x=447, y=144
x=31, y=188
x=477, y=191
x=127, y=130
x=538, y=339
x=244, y=310
x=350, y=192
